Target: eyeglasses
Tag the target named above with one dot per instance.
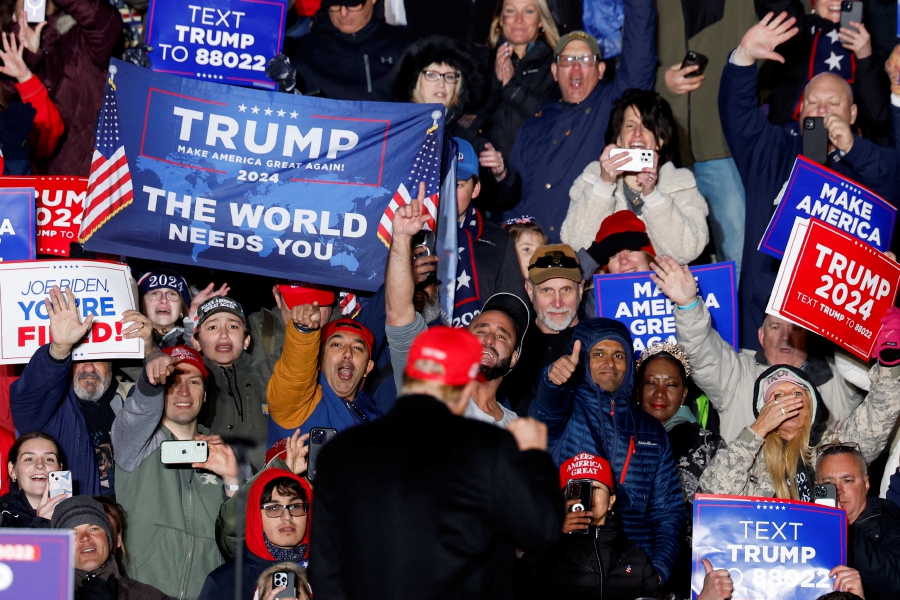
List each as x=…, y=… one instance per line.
x=171, y=295
x=838, y=448
x=274, y=511
x=337, y=9
x=451, y=78
x=565, y=61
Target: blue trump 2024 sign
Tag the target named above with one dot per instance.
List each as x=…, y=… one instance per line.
x=633, y=299
x=814, y=191
x=37, y=563
x=17, y=230
x=217, y=40
x=772, y=548
x=260, y=182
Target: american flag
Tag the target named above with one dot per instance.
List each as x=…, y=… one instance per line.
x=426, y=167
x=109, y=185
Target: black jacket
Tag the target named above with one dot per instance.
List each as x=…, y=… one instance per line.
x=220, y=583
x=423, y=504
x=510, y=105
x=498, y=263
x=873, y=541
x=354, y=66
x=603, y=564
x=539, y=349
x=15, y=511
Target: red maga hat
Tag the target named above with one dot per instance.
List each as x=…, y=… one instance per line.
x=183, y=354
x=586, y=466
x=446, y=355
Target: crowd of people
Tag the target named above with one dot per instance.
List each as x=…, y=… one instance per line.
x=454, y=448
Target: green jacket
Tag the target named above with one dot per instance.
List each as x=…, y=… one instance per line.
x=171, y=539
x=700, y=134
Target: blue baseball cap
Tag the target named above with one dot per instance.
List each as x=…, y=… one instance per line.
x=467, y=160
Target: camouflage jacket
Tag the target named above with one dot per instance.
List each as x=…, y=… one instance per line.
x=740, y=468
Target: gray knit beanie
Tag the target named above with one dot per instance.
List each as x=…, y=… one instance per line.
x=81, y=510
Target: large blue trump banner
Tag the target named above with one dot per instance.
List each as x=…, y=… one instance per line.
x=636, y=301
x=240, y=179
x=217, y=40
x=773, y=549
x=814, y=191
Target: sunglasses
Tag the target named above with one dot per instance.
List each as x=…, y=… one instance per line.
x=838, y=448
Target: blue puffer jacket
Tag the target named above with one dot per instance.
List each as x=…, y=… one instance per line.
x=582, y=417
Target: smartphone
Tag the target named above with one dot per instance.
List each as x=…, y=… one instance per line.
x=815, y=139
x=640, y=158
x=423, y=239
x=850, y=11
x=582, y=490
x=177, y=452
x=825, y=494
x=694, y=58
x=60, y=483
x=36, y=10
x=318, y=437
x=287, y=580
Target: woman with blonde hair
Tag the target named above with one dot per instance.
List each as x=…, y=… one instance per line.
x=523, y=36
x=775, y=456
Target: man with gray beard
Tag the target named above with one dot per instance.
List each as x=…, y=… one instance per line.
x=74, y=402
x=555, y=287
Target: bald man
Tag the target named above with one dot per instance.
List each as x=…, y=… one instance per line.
x=764, y=153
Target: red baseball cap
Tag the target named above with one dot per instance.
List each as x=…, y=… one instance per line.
x=451, y=356
x=350, y=326
x=297, y=293
x=183, y=354
x=586, y=466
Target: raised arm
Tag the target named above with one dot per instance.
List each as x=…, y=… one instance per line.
x=135, y=432
x=399, y=281
x=552, y=404
x=294, y=392
x=98, y=27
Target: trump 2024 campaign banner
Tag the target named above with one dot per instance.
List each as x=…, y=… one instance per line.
x=58, y=203
x=835, y=285
x=814, y=191
x=37, y=563
x=17, y=231
x=229, y=41
x=772, y=548
x=274, y=184
x=102, y=290
x=636, y=301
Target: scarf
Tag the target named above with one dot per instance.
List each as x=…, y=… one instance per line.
x=828, y=55
x=468, y=296
x=297, y=554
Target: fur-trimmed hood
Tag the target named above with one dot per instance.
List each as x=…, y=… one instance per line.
x=441, y=49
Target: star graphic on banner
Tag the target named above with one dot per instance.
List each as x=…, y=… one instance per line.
x=459, y=254
x=294, y=114
x=281, y=113
x=833, y=36
x=255, y=110
x=834, y=62
x=268, y=112
x=463, y=280
x=242, y=107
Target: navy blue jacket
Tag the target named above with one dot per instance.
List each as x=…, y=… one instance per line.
x=582, y=417
x=555, y=145
x=42, y=399
x=764, y=155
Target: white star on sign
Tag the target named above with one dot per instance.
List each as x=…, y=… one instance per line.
x=833, y=36
x=255, y=110
x=294, y=114
x=463, y=280
x=459, y=254
x=242, y=107
x=268, y=112
x=281, y=113
x=834, y=62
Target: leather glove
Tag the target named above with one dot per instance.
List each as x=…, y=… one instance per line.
x=887, y=344
x=281, y=70
x=139, y=55
x=15, y=129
